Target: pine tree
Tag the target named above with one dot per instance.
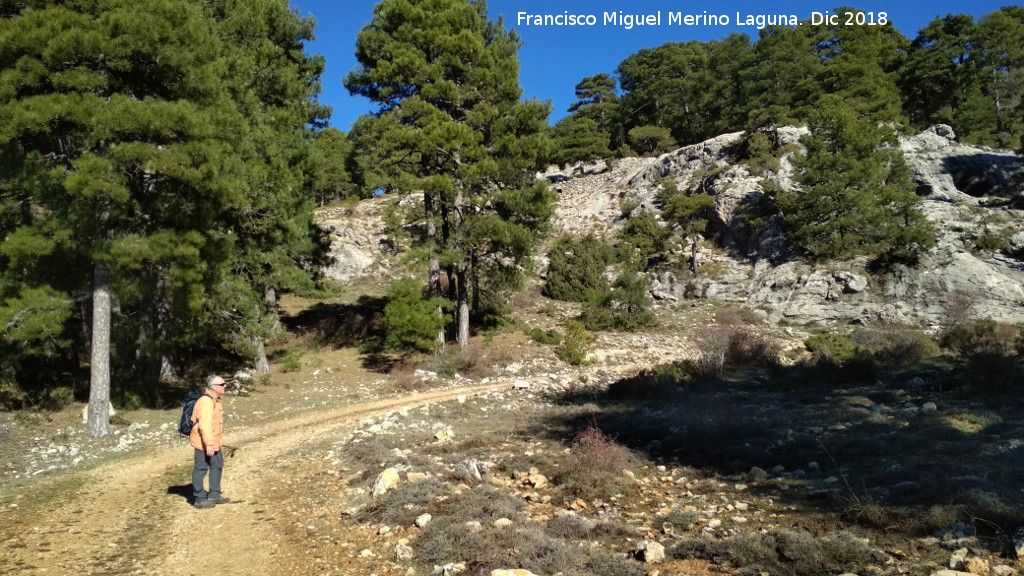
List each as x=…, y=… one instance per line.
x=687, y=211
x=145, y=163
x=857, y=196
x=596, y=100
x=940, y=73
x=452, y=126
x=1000, y=39
x=578, y=139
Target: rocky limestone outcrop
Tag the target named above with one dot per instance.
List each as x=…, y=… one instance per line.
x=967, y=191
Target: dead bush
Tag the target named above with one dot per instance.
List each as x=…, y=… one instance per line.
x=402, y=505
x=748, y=348
x=682, y=519
x=738, y=316
x=958, y=309
x=525, y=544
x=484, y=504
x=793, y=553
x=596, y=466
x=713, y=344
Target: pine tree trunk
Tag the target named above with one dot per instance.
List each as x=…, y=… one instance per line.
x=262, y=364
x=463, y=336
x=693, y=255
x=270, y=300
x=99, y=383
x=434, y=268
x=167, y=371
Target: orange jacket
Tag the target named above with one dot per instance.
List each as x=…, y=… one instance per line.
x=208, y=417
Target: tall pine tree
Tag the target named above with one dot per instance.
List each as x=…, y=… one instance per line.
x=452, y=126
x=145, y=147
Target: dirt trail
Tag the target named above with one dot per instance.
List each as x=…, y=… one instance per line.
x=131, y=516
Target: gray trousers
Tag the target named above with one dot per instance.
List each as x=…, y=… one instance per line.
x=203, y=464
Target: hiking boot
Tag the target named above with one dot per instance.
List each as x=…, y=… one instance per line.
x=219, y=500
x=204, y=504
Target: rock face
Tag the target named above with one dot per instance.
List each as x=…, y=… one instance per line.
x=966, y=191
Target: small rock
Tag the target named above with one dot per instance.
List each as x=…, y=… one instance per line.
x=958, y=559
x=757, y=475
x=386, y=480
x=502, y=523
x=977, y=566
x=649, y=552
x=413, y=477
x=928, y=407
x=422, y=520
x=514, y=572
x=536, y=480
x=403, y=553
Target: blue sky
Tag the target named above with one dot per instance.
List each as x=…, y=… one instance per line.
x=554, y=59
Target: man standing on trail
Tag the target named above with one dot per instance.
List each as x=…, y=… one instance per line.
x=208, y=420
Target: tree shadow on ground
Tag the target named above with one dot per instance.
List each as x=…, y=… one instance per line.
x=867, y=451
x=340, y=325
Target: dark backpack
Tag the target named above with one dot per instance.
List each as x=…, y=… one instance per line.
x=193, y=396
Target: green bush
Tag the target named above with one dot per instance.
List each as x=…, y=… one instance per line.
x=992, y=242
x=12, y=397
x=576, y=268
x=646, y=234
x=573, y=348
x=989, y=347
x=552, y=337
x=291, y=362
x=895, y=343
x=412, y=319
x=627, y=306
x=832, y=349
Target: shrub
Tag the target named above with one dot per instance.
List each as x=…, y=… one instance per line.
x=626, y=307
x=792, y=553
x=832, y=349
x=993, y=242
x=984, y=339
x=646, y=234
x=596, y=466
x=576, y=268
x=12, y=397
x=553, y=337
x=957, y=308
x=748, y=348
x=895, y=343
x=988, y=346
x=402, y=505
x=291, y=362
x=452, y=360
x=573, y=348
x=713, y=345
x=412, y=319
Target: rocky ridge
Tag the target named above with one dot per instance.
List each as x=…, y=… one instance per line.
x=966, y=191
